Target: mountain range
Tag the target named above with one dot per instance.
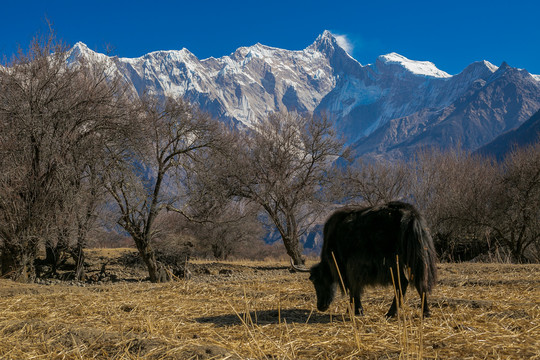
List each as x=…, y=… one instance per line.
x=386, y=110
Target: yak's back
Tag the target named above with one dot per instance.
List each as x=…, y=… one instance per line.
x=366, y=230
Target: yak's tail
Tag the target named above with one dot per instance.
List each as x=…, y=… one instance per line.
x=418, y=252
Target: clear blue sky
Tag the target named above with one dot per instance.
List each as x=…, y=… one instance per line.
x=451, y=34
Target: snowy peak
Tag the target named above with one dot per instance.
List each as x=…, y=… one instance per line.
x=78, y=50
x=339, y=59
x=81, y=51
x=484, y=67
x=479, y=70
x=328, y=44
x=489, y=65
x=80, y=47
x=420, y=68
x=324, y=40
x=257, y=51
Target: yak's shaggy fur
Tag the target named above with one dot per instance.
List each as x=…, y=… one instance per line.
x=380, y=245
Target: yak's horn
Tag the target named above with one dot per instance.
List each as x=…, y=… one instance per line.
x=299, y=268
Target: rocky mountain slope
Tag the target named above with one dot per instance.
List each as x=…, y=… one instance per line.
x=527, y=134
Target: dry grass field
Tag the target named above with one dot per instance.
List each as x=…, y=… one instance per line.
x=260, y=310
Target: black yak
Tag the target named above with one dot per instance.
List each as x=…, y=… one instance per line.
x=379, y=245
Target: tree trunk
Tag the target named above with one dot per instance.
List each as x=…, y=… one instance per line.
x=18, y=265
x=78, y=253
x=156, y=271
x=292, y=246
x=53, y=254
x=78, y=256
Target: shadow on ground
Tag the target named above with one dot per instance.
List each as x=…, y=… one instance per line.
x=265, y=317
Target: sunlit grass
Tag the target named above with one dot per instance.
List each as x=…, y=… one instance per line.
x=260, y=310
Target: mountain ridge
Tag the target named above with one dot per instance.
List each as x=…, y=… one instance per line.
x=385, y=109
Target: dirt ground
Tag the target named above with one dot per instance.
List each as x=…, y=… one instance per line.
x=260, y=310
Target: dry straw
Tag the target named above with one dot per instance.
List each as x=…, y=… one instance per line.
x=263, y=311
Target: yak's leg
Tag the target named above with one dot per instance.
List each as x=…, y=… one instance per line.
x=399, y=293
x=356, y=303
x=424, y=302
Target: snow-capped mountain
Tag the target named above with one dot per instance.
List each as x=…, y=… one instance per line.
x=243, y=87
x=387, y=109
x=491, y=103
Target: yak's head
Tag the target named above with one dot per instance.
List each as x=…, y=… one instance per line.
x=325, y=287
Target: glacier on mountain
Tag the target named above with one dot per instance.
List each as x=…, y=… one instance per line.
x=424, y=68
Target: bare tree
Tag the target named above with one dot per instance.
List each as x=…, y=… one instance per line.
x=474, y=203
x=84, y=199
x=228, y=231
x=515, y=223
x=219, y=224
x=454, y=189
x=372, y=183
x=143, y=177
x=50, y=111
x=283, y=166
